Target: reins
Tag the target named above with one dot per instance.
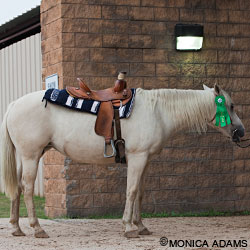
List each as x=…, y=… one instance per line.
x=238, y=143
x=244, y=140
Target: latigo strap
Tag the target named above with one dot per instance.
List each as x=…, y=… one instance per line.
x=119, y=142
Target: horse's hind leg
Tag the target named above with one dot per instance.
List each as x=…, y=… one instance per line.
x=137, y=220
x=14, y=217
x=15, y=204
x=29, y=175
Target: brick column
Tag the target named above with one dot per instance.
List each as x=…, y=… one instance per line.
x=52, y=55
x=55, y=184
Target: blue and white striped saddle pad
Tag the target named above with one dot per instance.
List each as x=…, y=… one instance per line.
x=62, y=98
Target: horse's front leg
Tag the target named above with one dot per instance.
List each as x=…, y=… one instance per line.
x=137, y=220
x=29, y=176
x=136, y=166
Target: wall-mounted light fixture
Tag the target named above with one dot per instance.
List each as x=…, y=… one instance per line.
x=188, y=36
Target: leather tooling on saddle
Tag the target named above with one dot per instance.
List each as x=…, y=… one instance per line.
x=110, y=105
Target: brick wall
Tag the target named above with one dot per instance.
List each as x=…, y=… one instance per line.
x=96, y=39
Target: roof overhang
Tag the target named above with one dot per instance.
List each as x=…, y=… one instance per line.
x=23, y=26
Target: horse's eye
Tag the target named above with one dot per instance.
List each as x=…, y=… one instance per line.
x=232, y=106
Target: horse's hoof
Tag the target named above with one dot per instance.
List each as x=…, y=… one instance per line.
x=145, y=231
x=18, y=232
x=132, y=234
x=41, y=234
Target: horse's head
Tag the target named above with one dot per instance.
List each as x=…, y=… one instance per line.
x=235, y=130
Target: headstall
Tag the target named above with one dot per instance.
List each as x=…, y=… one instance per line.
x=222, y=118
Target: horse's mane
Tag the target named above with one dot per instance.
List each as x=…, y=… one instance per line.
x=192, y=107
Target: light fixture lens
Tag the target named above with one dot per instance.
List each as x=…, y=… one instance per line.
x=189, y=43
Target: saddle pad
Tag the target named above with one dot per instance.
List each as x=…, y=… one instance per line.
x=62, y=98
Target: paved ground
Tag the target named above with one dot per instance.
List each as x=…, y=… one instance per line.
x=108, y=234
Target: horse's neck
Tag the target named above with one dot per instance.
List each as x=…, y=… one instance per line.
x=183, y=108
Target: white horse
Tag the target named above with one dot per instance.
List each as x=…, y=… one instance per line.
x=29, y=129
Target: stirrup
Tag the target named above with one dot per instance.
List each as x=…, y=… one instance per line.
x=113, y=148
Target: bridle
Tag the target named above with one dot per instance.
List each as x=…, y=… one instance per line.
x=237, y=143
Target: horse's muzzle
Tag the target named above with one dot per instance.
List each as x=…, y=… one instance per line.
x=237, y=134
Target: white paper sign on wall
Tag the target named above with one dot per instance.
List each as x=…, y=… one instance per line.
x=51, y=82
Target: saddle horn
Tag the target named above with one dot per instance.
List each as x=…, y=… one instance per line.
x=120, y=83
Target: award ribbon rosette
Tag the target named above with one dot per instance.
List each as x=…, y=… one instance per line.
x=222, y=117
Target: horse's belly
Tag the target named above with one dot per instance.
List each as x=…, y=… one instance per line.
x=87, y=152
x=75, y=137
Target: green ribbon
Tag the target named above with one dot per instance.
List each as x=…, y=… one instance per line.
x=222, y=117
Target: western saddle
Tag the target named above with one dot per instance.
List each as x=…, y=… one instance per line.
x=117, y=96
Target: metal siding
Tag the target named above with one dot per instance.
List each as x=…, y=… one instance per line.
x=20, y=73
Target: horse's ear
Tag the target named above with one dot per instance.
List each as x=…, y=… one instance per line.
x=217, y=89
x=205, y=87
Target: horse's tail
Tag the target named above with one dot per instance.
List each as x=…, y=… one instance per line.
x=8, y=160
